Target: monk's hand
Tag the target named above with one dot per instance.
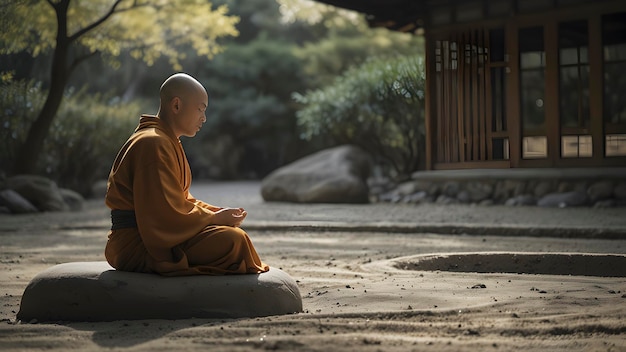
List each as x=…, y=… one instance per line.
x=230, y=216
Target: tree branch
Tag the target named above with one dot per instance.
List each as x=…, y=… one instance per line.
x=77, y=61
x=113, y=10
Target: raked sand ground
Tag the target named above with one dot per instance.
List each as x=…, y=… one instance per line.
x=355, y=298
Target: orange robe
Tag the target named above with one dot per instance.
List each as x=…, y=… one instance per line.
x=174, y=234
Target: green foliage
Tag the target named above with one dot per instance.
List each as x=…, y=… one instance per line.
x=327, y=58
x=251, y=128
x=74, y=31
x=250, y=111
x=83, y=140
x=283, y=46
x=377, y=106
x=347, y=40
x=314, y=12
x=19, y=104
x=148, y=29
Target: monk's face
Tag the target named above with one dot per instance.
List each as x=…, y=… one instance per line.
x=192, y=113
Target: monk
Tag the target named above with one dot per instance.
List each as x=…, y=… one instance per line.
x=157, y=225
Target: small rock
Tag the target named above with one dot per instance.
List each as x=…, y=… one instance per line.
x=562, y=200
x=451, y=189
x=504, y=190
x=600, y=191
x=607, y=203
x=416, y=198
x=479, y=191
x=445, y=200
x=543, y=188
x=406, y=188
x=463, y=197
x=521, y=200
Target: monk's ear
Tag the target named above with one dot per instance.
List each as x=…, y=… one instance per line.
x=175, y=104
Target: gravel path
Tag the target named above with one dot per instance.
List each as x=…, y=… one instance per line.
x=354, y=297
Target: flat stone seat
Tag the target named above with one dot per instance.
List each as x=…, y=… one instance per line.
x=94, y=291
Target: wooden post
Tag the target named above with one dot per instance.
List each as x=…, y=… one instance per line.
x=551, y=95
x=512, y=93
x=429, y=95
x=595, y=88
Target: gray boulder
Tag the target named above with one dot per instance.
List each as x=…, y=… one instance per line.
x=15, y=203
x=73, y=199
x=94, y=291
x=336, y=175
x=43, y=193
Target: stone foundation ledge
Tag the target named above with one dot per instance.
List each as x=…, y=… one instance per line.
x=94, y=291
x=513, y=187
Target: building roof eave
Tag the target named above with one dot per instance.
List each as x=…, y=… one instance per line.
x=397, y=15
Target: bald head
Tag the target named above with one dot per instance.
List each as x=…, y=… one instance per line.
x=183, y=103
x=180, y=85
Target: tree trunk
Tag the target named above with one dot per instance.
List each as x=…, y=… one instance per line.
x=30, y=151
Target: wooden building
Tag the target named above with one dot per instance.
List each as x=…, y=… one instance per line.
x=517, y=83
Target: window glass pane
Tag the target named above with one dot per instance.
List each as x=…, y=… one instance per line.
x=614, y=44
x=574, y=35
x=584, y=54
x=615, y=145
x=496, y=42
x=532, y=80
x=613, y=27
x=500, y=148
x=615, y=52
x=532, y=59
x=576, y=146
x=498, y=100
x=568, y=56
x=614, y=88
x=573, y=74
x=532, y=91
x=574, y=96
x=531, y=39
x=535, y=147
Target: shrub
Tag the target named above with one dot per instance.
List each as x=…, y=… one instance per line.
x=19, y=103
x=377, y=106
x=84, y=137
